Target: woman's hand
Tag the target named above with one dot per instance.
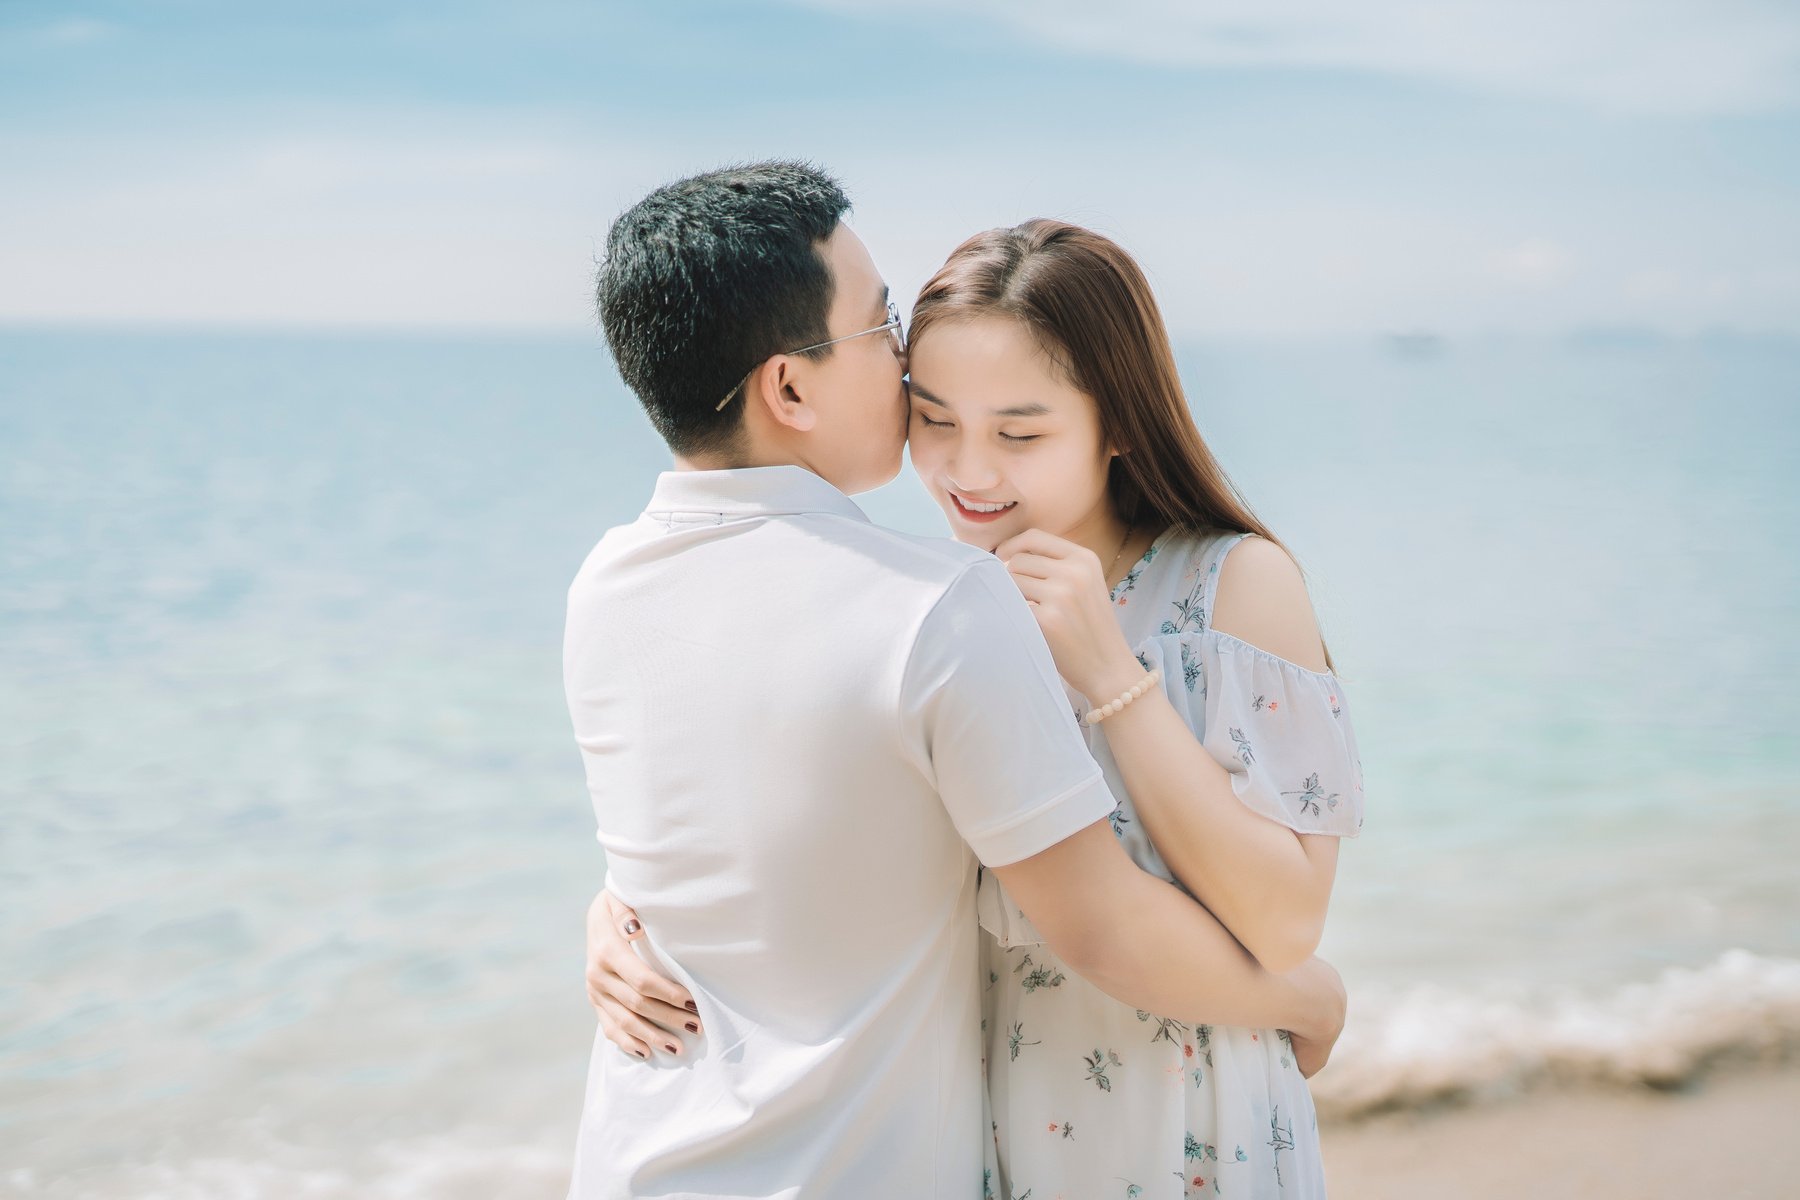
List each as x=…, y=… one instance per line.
x=1312, y=1046
x=631, y=999
x=1066, y=588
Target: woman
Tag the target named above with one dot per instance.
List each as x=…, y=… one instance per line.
x=1048, y=422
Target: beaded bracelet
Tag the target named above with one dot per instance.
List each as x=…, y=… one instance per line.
x=1096, y=715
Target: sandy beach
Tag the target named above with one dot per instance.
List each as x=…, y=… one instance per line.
x=1724, y=1136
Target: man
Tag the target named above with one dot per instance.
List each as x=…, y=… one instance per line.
x=802, y=732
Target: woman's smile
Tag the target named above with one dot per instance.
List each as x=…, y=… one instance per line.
x=978, y=512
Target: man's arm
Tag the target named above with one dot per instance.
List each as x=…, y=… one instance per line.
x=1144, y=943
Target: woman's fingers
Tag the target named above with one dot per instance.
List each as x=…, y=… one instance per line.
x=608, y=950
x=605, y=944
x=618, y=1026
x=1031, y=589
x=635, y=1027
x=666, y=1017
x=614, y=970
x=1034, y=565
x=1310, y=1056
x=1033, y=541
x=645, y=980
x=625, y=988
x=614, y=1031
x=623, y=918
x=610, y=994
x=624, y=993
x=641, y=1012
x=1038, y=591
x=1052, y=552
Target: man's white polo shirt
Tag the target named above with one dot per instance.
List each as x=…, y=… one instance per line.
x=800, y=732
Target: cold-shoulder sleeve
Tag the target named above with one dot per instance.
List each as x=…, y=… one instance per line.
x=1283, y=731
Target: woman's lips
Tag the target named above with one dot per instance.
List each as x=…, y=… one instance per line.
x=978, y=518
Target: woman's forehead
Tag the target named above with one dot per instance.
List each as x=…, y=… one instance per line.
x=996, y=357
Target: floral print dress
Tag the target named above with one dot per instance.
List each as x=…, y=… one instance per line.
x=1090, y=1098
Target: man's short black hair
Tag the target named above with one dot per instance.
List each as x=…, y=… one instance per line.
x=705, y=278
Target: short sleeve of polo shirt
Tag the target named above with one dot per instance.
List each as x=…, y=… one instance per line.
x=986, y=717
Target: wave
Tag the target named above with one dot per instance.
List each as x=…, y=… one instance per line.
x=1403, y=1049
x=1429, y=1045
x=272, y=1167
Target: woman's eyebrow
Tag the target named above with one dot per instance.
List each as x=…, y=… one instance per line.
x=1033, y=409
x=912, y=386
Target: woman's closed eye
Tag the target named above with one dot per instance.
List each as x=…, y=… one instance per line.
x=1016, y=439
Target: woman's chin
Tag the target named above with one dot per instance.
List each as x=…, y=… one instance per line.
x=981, y=539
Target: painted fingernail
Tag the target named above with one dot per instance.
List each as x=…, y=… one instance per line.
x=631, y=927
x=693, y=1027
x=641, y=1053
x=692, y=1007
x=672, y=1048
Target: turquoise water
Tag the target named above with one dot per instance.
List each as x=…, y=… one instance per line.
x=297, y=849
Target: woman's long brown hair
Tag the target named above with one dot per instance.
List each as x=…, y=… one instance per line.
x=1090, y=309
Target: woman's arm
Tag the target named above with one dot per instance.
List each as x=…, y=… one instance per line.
x=1111, y=923
x=1115, y=925
x=1267, y=883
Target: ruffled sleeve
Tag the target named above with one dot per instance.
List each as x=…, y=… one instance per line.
x=1283, y=732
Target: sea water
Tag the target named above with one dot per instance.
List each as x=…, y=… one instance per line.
x=297, y=851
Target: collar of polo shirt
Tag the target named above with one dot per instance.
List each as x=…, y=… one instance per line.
x=778, y=489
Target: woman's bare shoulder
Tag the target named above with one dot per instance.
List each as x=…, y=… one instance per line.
x=1262, y=599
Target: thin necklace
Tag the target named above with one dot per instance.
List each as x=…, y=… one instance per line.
x=1114, y=565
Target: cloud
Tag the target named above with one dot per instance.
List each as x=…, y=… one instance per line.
x=405, y=223
x=1689, y=57
x=395, y=226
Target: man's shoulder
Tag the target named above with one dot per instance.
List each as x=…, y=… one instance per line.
x=953, y=589
x=615, y=542
x=931, y=560
x=924, y=564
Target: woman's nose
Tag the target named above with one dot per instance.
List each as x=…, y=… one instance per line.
x=971, y=473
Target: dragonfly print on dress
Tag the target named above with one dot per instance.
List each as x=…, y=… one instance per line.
x=1245, y=754
x=1097, y=1065
x=1311, y=793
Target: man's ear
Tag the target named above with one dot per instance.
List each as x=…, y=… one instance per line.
x=779, y=389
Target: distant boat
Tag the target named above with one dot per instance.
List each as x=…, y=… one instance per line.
x=1416, y=344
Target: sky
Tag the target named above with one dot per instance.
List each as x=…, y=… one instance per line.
x=1280, y=169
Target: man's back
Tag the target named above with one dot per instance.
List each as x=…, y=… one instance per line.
x=771, y=697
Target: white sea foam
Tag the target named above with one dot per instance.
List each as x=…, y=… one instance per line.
x=1405, y=1049
x=265, y=1167
x=1429, y=1044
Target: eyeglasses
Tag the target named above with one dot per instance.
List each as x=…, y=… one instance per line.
x=896, y=343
